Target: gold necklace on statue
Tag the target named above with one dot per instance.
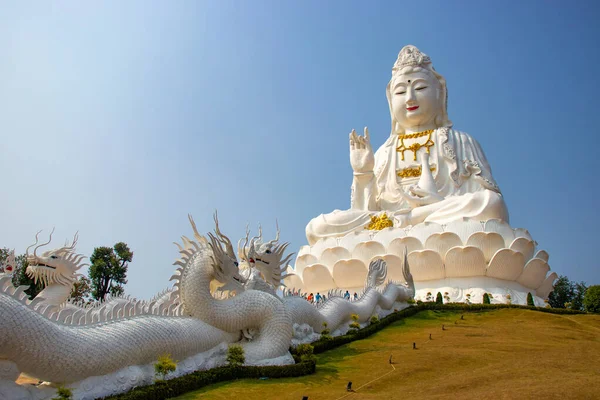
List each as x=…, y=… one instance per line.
x=415, y=146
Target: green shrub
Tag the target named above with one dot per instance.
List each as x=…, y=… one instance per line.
x=530, y=299
x=235, y=355
x=304, y=349
x=439, y=299
x=63, y=393
x=374, y=319
x=325, y=330
x=164, y=365
x=486, y=298
x=591, y=299
x=308, y=358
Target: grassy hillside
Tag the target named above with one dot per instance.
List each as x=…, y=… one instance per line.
x=507, y=354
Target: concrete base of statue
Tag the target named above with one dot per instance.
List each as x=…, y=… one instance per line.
x=464, y=257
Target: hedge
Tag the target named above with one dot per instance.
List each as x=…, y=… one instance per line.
x=199, y=379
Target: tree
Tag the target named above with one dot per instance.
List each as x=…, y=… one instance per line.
x=164, y=365
x=439, y=299
x=235, y=355
x=562, y=293
x=591, y=300
x=81, y=290
x=108, y=271
x=578, y=295
x=486, y=298
x=567, y=292
x=530, y=300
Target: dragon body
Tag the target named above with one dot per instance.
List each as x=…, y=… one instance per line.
x=83, y=346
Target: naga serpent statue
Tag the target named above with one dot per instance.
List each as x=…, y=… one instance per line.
x=110, y=347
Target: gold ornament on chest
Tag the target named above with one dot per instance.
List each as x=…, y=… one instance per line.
x=416, y=146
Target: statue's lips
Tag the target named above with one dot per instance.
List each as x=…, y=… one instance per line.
x=413, y=108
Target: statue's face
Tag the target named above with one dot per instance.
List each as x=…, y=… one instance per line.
x=416, y=99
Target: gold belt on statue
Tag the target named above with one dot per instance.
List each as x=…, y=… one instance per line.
x=411, y=172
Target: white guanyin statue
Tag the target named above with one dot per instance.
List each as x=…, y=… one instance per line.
x=428, y=191
x=456, y=181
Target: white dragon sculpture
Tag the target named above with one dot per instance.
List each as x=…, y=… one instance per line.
x=110, y=347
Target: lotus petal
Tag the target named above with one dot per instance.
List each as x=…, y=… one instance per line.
x=304, y=250
x=523, y=246
x=353, y=238
x=426, y=265
x=349, y=273
x=303, y=261
x=367, y=250
x=542, y=255
x=464, y=228
x=333, y=254
x=442, y=242
x=548, y=286
x=464, y=261
x=534, y=273
x=524, y=233
x=293, y=281
x=318, y=248
x=317, y=278
x=386, y=235
x=394, y=267
x=488, y=242
x=501, y=227
x=397, y=246
x=506, y=264
x=425, y=229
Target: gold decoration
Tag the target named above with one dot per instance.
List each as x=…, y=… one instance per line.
x=412, y=172
x=415, y=146
x=379, y=222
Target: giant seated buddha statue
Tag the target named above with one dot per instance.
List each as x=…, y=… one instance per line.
x=427, y=190
x=425, y=170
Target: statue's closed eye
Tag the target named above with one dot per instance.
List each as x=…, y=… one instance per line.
x=421, y=88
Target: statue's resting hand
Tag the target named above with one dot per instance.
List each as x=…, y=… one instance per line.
x=362, y=159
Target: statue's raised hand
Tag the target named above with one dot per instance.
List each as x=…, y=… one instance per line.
x=362, y=159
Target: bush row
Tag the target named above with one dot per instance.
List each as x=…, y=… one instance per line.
x=481, y=307
x=199, y=379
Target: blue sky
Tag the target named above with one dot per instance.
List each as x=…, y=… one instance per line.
x=119, y=118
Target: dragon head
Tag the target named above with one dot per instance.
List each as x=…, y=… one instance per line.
x=58, y=266
x=267, y=257
x=377, y=273
x=10, y=263
x=225, y=265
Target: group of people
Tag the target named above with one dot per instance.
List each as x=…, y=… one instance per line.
x=318, y=298
x=354, y=296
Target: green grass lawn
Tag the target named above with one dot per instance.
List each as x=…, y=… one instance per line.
x=504, y=354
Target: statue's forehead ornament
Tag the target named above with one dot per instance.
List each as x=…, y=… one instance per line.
x=410, y=56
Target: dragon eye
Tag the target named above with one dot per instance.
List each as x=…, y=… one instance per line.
x=236, y=264
x=54, y=257
x=268, y=251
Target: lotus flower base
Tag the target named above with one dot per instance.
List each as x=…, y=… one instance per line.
x=460, y=258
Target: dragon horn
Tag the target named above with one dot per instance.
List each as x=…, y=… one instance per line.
x=36, y=242
x=43, y=244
